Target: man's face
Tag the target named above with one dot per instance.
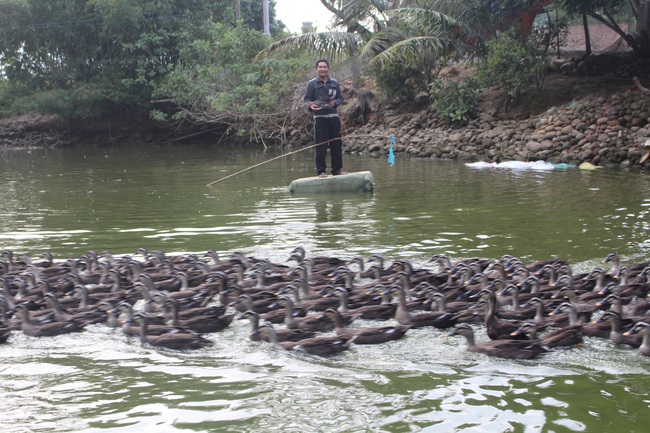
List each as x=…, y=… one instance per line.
x=322, y=70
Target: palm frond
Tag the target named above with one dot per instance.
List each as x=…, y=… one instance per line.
x=383, y=40
x=428, y=22
x=418, y=51
x=336, y=46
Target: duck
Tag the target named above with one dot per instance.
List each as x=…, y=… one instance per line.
x=509, y=349
x=404, y=316
x=301, y=304
x=311, y=272
x=5, y=331
x=542, y=319
x=589, y=329
x=496, y=327
x=299, y=254
x=616, y=330
x=275, y=272
x=615, y=262
x=35, y=329
x=585, y=305
x=210, y=310
x=161, y=284
x=202, y=324
x=111, y=285
x=630, y=310
x=5, y=328
x=130, y=325
x=381, y=311
x=642, y=328
x=538, y=266
x=175, y=341
x=215, y=263
x=479, y=264
x=563, y=337
x=625, y=289
x=376, y=271
x=518, y=311
x=533, y=287
x=260, y=282
x=496, y=270
x=465, y=311
x=548, y=274
x=359, y=262
x=319, y=346
x=84, y=317
x=112, y=314
x=599, y=278
x=481, y=281
x=308, y=292
x=5, y=291
x=45, y=269
x=375, y=335
x=245, y=302
x=310, y=322
x=438, y=301
x=345, y=277
x=281, y=334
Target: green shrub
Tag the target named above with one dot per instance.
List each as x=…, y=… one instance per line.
x=397, y=82
x=454, y=100
x=82, y=103
x=512, y=62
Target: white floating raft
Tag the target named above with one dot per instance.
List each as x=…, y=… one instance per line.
x=520, y=165
x=361, y=181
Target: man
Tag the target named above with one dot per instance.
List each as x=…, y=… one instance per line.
x=322, y=97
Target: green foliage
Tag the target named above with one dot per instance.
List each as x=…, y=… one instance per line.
x=217, y=80
x=74, y=104
x=103, y=56
x=397, y=82
x=454, y=100
x=512, y=62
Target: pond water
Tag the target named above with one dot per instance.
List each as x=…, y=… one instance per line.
x=120, y=199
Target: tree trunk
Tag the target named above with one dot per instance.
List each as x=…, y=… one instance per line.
x=585, y=25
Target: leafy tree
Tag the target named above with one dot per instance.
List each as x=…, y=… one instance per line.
x=217, y=81
x=401, y=42
x=512, y=62
x=405, y=43
x=89, y=58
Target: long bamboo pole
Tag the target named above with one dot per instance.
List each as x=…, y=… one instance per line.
x=287, y=154
x=271, y=160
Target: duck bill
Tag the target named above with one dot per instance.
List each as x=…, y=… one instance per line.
x=644, y=157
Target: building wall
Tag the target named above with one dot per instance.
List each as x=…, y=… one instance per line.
x=603, y=39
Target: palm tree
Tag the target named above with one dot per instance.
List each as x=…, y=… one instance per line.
x=409, y=35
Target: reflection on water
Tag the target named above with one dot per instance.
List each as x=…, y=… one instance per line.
x=121, y=199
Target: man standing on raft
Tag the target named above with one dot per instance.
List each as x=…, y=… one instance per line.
x=322, y=97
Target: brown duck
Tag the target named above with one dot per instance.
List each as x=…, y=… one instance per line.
x=510, y=349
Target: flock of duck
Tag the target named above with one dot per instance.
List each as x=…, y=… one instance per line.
x=309, y=303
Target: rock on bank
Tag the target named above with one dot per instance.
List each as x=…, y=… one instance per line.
x=599, y=116
x=603, y=130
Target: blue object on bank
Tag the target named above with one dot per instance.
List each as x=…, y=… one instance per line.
x=391, y=155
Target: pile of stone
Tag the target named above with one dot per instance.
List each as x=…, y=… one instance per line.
x=603, y=130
